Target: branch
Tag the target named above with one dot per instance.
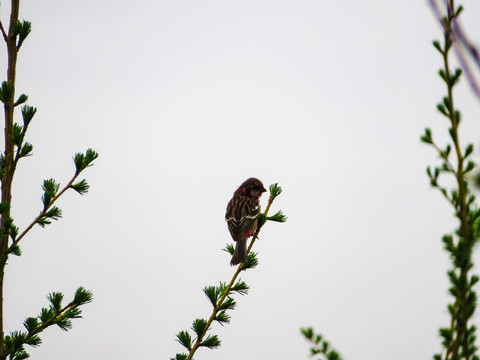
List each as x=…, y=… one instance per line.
x=54, y=315
x=446, y=161
x=82, y=161
x=43, y=212
x=3, y=31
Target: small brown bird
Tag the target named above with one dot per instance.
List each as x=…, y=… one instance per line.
x=242, y=215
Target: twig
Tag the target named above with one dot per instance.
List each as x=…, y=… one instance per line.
x=446, y=161
x=44, y=211
x=3, y=31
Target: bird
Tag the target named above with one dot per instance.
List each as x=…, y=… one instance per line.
x=242, y=215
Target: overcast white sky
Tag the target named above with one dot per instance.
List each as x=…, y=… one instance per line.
x=184, y=100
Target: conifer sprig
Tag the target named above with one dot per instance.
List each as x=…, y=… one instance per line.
x=320, y=346
x=55, y=314
x=221, y=296
x=51, y=193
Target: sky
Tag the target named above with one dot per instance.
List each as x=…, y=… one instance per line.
x=184, y=100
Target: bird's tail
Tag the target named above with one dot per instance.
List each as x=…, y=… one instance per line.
x=240, y=254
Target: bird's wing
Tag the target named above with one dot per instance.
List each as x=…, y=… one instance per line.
x=241, y=218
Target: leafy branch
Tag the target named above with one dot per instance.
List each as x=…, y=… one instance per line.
x=55, y=314
x=51, y=194
x=320, y=346
x=221, y=296
x=459, y=338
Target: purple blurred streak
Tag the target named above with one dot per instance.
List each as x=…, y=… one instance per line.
x=460, y=43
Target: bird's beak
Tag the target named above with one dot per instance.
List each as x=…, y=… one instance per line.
x=264, y=190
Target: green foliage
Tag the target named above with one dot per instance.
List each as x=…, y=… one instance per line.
x=180, y=357
x=214, y=292
x=228, y=304
x=6, y=92
x=81, y=187
x=8, y=229
x=52, y=214
x=20, y=355
x=15, y=250
x=18, y=131
x=222, y=317
x=184, y=338
x=211, y=342
x=278, y=217
x=55, y=301
x=22, y=30
x=50, y=189
x=275, y=190
x=83, y=161
x=17, y=135
x=229, y=248
x=26, y=150
x=437, y=46
x=4, y=206
x=82, y=297
x=240, y=287
x=320, y=346
x=468, y=151
x=13, y=231
x=28, y=112
x=251, y=263
x=21, y=99
x=55, y=314
x=31, y=324
x=199, y=326
x=262, y=219
x=427, y=138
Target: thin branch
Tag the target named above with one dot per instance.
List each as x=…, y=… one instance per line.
x=214, y=314
x=44, y=211
x=450, y=200
x=3, y=31
x=255, y=237
x=446, y=161
x=45, y=325
x=19, y=149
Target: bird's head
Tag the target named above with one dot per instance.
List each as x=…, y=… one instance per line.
x=251, y=187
